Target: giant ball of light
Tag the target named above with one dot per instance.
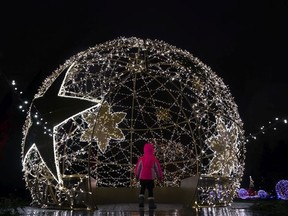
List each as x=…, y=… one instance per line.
x=103, y=104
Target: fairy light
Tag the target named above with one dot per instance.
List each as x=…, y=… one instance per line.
x=24, y=106
x=271, y=125
x=144, y=90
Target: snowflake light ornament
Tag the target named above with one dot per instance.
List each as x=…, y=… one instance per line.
x=103, y=127
x=223, y=146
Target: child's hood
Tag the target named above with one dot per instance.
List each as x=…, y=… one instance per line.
x=148, y=149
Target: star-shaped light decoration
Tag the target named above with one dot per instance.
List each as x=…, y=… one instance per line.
x=103, y=126
x=37, y=171
x=47, y=111
x=224, y=147
x=198, y=84
x=136, y=64
x=163, y=114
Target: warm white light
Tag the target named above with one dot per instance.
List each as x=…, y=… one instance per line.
x=145, y=91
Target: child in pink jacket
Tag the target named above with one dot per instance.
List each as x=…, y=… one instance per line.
x=147, y=169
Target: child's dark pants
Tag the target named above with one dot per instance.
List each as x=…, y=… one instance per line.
x=147, y=184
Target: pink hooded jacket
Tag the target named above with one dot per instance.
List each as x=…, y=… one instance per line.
x=148, y=167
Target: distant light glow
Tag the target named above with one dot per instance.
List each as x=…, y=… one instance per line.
x=282, y=189
x=243, y=193
x=263, y=129
x=262, y=194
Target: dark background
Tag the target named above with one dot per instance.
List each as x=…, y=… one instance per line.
x=244, y=42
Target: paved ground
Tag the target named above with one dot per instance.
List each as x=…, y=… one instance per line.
x=237, y=209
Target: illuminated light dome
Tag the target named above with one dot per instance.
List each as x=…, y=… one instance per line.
x=91, y=117
x=282, y=189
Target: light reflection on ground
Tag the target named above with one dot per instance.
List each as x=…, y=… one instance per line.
x=133, y=210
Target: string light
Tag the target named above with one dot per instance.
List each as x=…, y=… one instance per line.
x=270, y=125
x=24, y=103
x=143, y=90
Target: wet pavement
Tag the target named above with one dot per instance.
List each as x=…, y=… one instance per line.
x=236, y=209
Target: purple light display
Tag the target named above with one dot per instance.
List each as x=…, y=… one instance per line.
x=282, y=189
x=243, y=193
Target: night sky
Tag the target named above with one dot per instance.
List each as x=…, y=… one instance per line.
x=244, y=42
